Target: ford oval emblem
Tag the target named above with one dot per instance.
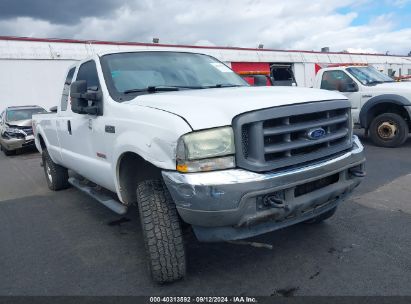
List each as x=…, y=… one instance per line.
x=316, y=133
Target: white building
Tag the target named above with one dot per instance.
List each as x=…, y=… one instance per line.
x=32, y=70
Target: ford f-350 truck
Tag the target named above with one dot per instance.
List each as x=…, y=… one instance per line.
x=188, y=141
x=380, y=105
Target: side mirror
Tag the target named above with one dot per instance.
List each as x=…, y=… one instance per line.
x=350, y=87
x=53, y=109
x=85, y=100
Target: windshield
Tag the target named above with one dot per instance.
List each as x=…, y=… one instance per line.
x=143, y=72
x=22, y=114
x=368, y=75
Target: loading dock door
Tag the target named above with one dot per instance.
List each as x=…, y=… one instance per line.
x=282, y=74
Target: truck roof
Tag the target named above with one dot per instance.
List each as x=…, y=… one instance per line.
x=23, y=107
x=102, y=53
x=343, y=67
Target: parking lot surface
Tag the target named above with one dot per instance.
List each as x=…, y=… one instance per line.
x=65, y=243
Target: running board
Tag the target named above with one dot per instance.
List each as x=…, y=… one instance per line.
x=101, y=197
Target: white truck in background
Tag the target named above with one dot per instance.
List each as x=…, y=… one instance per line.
x=188, y=141
x=379, y=104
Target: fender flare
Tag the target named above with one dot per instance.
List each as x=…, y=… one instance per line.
x=146, y=149
x=40, y=133
x=384, y=98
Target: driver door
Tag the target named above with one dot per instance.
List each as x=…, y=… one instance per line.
x=75, y=130
x=340, y=81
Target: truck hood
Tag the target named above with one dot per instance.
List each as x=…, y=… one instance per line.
x=208, y=108
x=392, y=87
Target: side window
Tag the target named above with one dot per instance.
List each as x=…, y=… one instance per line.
x=88, y=72
x=66, y=89
x=335, y=81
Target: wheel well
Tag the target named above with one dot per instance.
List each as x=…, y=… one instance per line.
x=386, y=107
x=132, y=169
x=42, y=143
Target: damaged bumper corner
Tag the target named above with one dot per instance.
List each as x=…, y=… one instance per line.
x=236, y=204
x=17, y=143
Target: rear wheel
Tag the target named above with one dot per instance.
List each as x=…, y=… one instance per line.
x=56, y=175
x=322, y=217
x=162, y=232
x=388, y=130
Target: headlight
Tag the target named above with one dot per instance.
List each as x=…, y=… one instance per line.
x=206, y=150
x=12, y=130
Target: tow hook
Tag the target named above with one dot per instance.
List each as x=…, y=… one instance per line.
x=274, y=201
x=357, y=172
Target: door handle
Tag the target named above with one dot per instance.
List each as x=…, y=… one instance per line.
x=69, y=126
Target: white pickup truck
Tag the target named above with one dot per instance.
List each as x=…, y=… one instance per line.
x=380, y=105
x=188, y=141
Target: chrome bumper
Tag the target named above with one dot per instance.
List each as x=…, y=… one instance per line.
x=221, y=204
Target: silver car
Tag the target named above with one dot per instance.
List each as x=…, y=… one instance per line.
x=16, y=131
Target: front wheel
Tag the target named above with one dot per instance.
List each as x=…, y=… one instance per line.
x=388, y=130
x=162, y=232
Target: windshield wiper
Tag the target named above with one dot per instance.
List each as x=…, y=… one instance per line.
x=153, y=89
x=223, y=85
x=374, y=82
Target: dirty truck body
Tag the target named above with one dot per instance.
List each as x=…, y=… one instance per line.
x=188, y=141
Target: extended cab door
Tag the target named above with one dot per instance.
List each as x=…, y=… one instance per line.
x=79, y=134
x=63, y=116
x=339, y=80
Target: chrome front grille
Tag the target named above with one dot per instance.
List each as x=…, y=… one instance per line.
x=281, y=137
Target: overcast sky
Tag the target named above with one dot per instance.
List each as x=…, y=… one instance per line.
x=353, y=25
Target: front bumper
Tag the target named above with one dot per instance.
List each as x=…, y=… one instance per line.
x=17, y=143
x=229, y=204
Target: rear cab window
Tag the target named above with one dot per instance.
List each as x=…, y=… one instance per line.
x=66, y=89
